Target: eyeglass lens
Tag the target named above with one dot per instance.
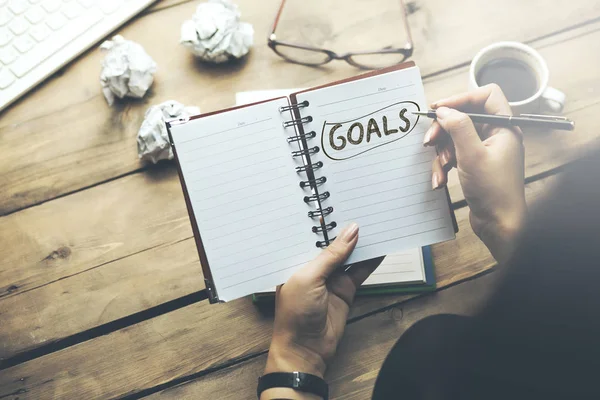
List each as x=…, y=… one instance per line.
x=303, y=56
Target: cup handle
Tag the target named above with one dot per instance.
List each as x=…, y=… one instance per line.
x=554, y=99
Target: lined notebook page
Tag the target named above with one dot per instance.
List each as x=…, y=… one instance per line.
x=245, y=195
x=406, y=266
x=403, y=267
x=378, y=175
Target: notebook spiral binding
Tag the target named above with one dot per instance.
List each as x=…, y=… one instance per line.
x=309, y=168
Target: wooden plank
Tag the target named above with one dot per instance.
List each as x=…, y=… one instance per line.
x=98, y=296
x=63, y=137
x=99, y=235
x=359, y=357
x=194, y=338
x=85, y=230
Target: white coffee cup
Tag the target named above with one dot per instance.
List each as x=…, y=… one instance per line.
x=546, y=99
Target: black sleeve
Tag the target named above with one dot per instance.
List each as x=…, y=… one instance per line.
x=538, y=336
x=420, y=365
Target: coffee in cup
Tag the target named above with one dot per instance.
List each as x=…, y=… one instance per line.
x=521, y=73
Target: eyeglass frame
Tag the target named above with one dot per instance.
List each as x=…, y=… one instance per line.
x=407, y=50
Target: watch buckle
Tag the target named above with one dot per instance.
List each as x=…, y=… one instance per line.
x=296, y=383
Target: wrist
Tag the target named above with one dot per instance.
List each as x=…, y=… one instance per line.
x=289, y=358
x=500, y=235
x=284, y=356
x=287, y=393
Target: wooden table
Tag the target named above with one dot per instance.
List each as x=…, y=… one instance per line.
x=99, y=276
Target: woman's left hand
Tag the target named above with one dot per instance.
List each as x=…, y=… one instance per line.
x=312, y=307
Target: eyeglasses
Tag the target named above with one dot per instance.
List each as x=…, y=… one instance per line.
x=314, y=56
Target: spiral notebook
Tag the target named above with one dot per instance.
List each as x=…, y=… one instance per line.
x=268, y=185
x=389, y=277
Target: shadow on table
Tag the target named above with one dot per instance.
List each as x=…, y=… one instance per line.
x=214, y=70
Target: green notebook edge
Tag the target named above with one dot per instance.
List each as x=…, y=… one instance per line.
x=430, y=284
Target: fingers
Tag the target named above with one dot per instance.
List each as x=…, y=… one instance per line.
x=335, y=254
x=460, y=127
x=359, y=272
x=487, y=99
x=439, y=177
x=434, y=134
x=447, y=155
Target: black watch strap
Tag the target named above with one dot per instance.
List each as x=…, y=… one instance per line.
x=295, y=380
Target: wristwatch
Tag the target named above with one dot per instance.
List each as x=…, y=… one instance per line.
x=295, y=380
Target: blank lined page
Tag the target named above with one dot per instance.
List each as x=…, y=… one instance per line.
x=403, y=267
x=246, y=198
x=406, y=266
x=378, y=172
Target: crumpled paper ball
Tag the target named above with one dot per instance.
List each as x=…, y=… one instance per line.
x=127, y=70
x=215, y=33
x=152, y=138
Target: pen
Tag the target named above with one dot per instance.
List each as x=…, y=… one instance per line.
x=523, y=120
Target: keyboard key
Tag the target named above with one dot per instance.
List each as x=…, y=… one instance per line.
x=72, y=10
x=5, y=16
x=28, y=61
x=56, y=21
x=5, y=36
x=8, y=54
x=35, y=14
x=40, y=32
x=6, y=78
x=18, y=6
x=18, y=25
x=51, y=5
x=24, y=43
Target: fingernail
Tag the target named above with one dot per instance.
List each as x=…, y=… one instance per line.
x=435, y=182
x=349, y=233
x=442, y=112
x=427, y=138
x=434, y=104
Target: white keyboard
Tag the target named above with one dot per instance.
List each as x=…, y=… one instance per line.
x=37, y=37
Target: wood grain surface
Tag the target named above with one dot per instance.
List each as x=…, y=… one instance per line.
x=202, y=337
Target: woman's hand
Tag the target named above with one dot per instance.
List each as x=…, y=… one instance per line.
x=490, y=163
x=311, y=311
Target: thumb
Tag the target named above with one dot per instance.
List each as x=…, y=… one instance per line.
x=335, y=254
x=460, y=127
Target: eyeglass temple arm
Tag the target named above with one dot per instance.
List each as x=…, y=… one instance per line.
x=277, y=16
x=404, y=17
